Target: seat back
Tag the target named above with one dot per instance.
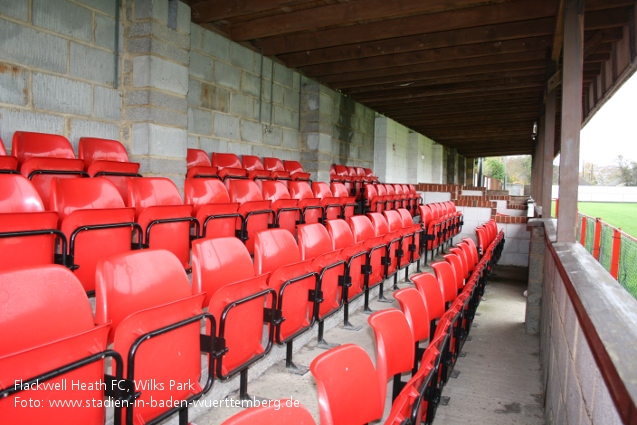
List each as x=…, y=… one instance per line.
x=217, y=263
x=158, y=206
x=394, y=345
x=340, y=233
x=347, y=386
x=463, y=272
x=92, y=149
x=314, y=240
x=293, y=167
x=429, y=287
x=27, y=144
x=446, y=275
x=394, y=220
x=253, y=208
x=242, y=191
x=273, y=164
x=225, y=160
x=343, y=239
x=321, y=190
x=458, y=270
x=251, y=163
x=339, y=190
x=468, y=256
x=362, y=228
x=381, y=227
x=46, y=324
x=209, y=197
x=301, y=190
x=274, y=249
x=17, y=195
x=473, y=250
x=413, y=306
x=197, y=158
x=92, y=202
x=140, y=292
x=276, y=412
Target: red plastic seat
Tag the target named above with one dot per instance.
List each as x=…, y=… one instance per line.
x=430, y=288
x=332, y=206
x=146, y=297
x=273, y=412
x=348, y=202
x=276, y=252
x=311, y=209
x=342, y=176
x=376, y=249
x=42, y=157
x=446, y=275
x=164, y=219
x=392, y=238
x=223, y=271
x=413, y=253
x=255, y=211
x=315, y=244
x=217, y=216
x=277, y=169
x=413, y=306
x=255, y=168
x=108, y=158
x=8, y=163
x=199, y=166
x=473, y=252
x=296, y=170
x=229, y=166
x=28, y=234
x=462, y=256
x=355, y=255
x=347, y=386
x=95, y=222
x=285, y=208
x=394, y=348
x=47, y=324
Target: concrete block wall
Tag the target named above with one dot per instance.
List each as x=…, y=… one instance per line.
x=239, y=101
x=403, y=156
x=516, y=247
x=57, y=69
x=575, y=389
x=334, y=130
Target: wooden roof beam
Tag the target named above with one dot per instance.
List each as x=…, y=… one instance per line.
x=216, y=10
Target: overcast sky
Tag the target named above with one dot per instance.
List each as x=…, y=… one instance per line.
x=613, y=129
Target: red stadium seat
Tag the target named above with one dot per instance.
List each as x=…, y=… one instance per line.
x=165, y=220
x=286, y=209
x=311, y=209
x=108, y=158
x=429, y=287
x=42, y=157
x=349, y=202
x=49, y=338
x=296, y=170
x=255, y=168
x=316, y=244
x=355, y=255
x=347, y=386
x=255, y=211
x=156, y=323
x=413, y=305
x=332, y=206
x=394, y=348
x=229, y=166
x=217, y=216
x=276, y=167
x=28, y=234
x=95, y=222
x=276, y=252
x=223, y=271
x=199, y=166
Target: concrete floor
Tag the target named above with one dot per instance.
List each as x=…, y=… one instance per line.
x=499, y=381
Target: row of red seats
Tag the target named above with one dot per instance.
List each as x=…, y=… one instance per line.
x=380, y=197
x=438, y=312
x=490, y=242
x=352, y=177
x=41, y=157
x=149, y=290
x=442, y=222
x=228, y=166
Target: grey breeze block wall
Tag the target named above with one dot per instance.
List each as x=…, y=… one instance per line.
x=239, y=103
x=179, y=85
x=57, y=68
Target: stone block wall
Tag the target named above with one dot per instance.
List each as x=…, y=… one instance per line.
x=239, y=101
x=57, y=69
